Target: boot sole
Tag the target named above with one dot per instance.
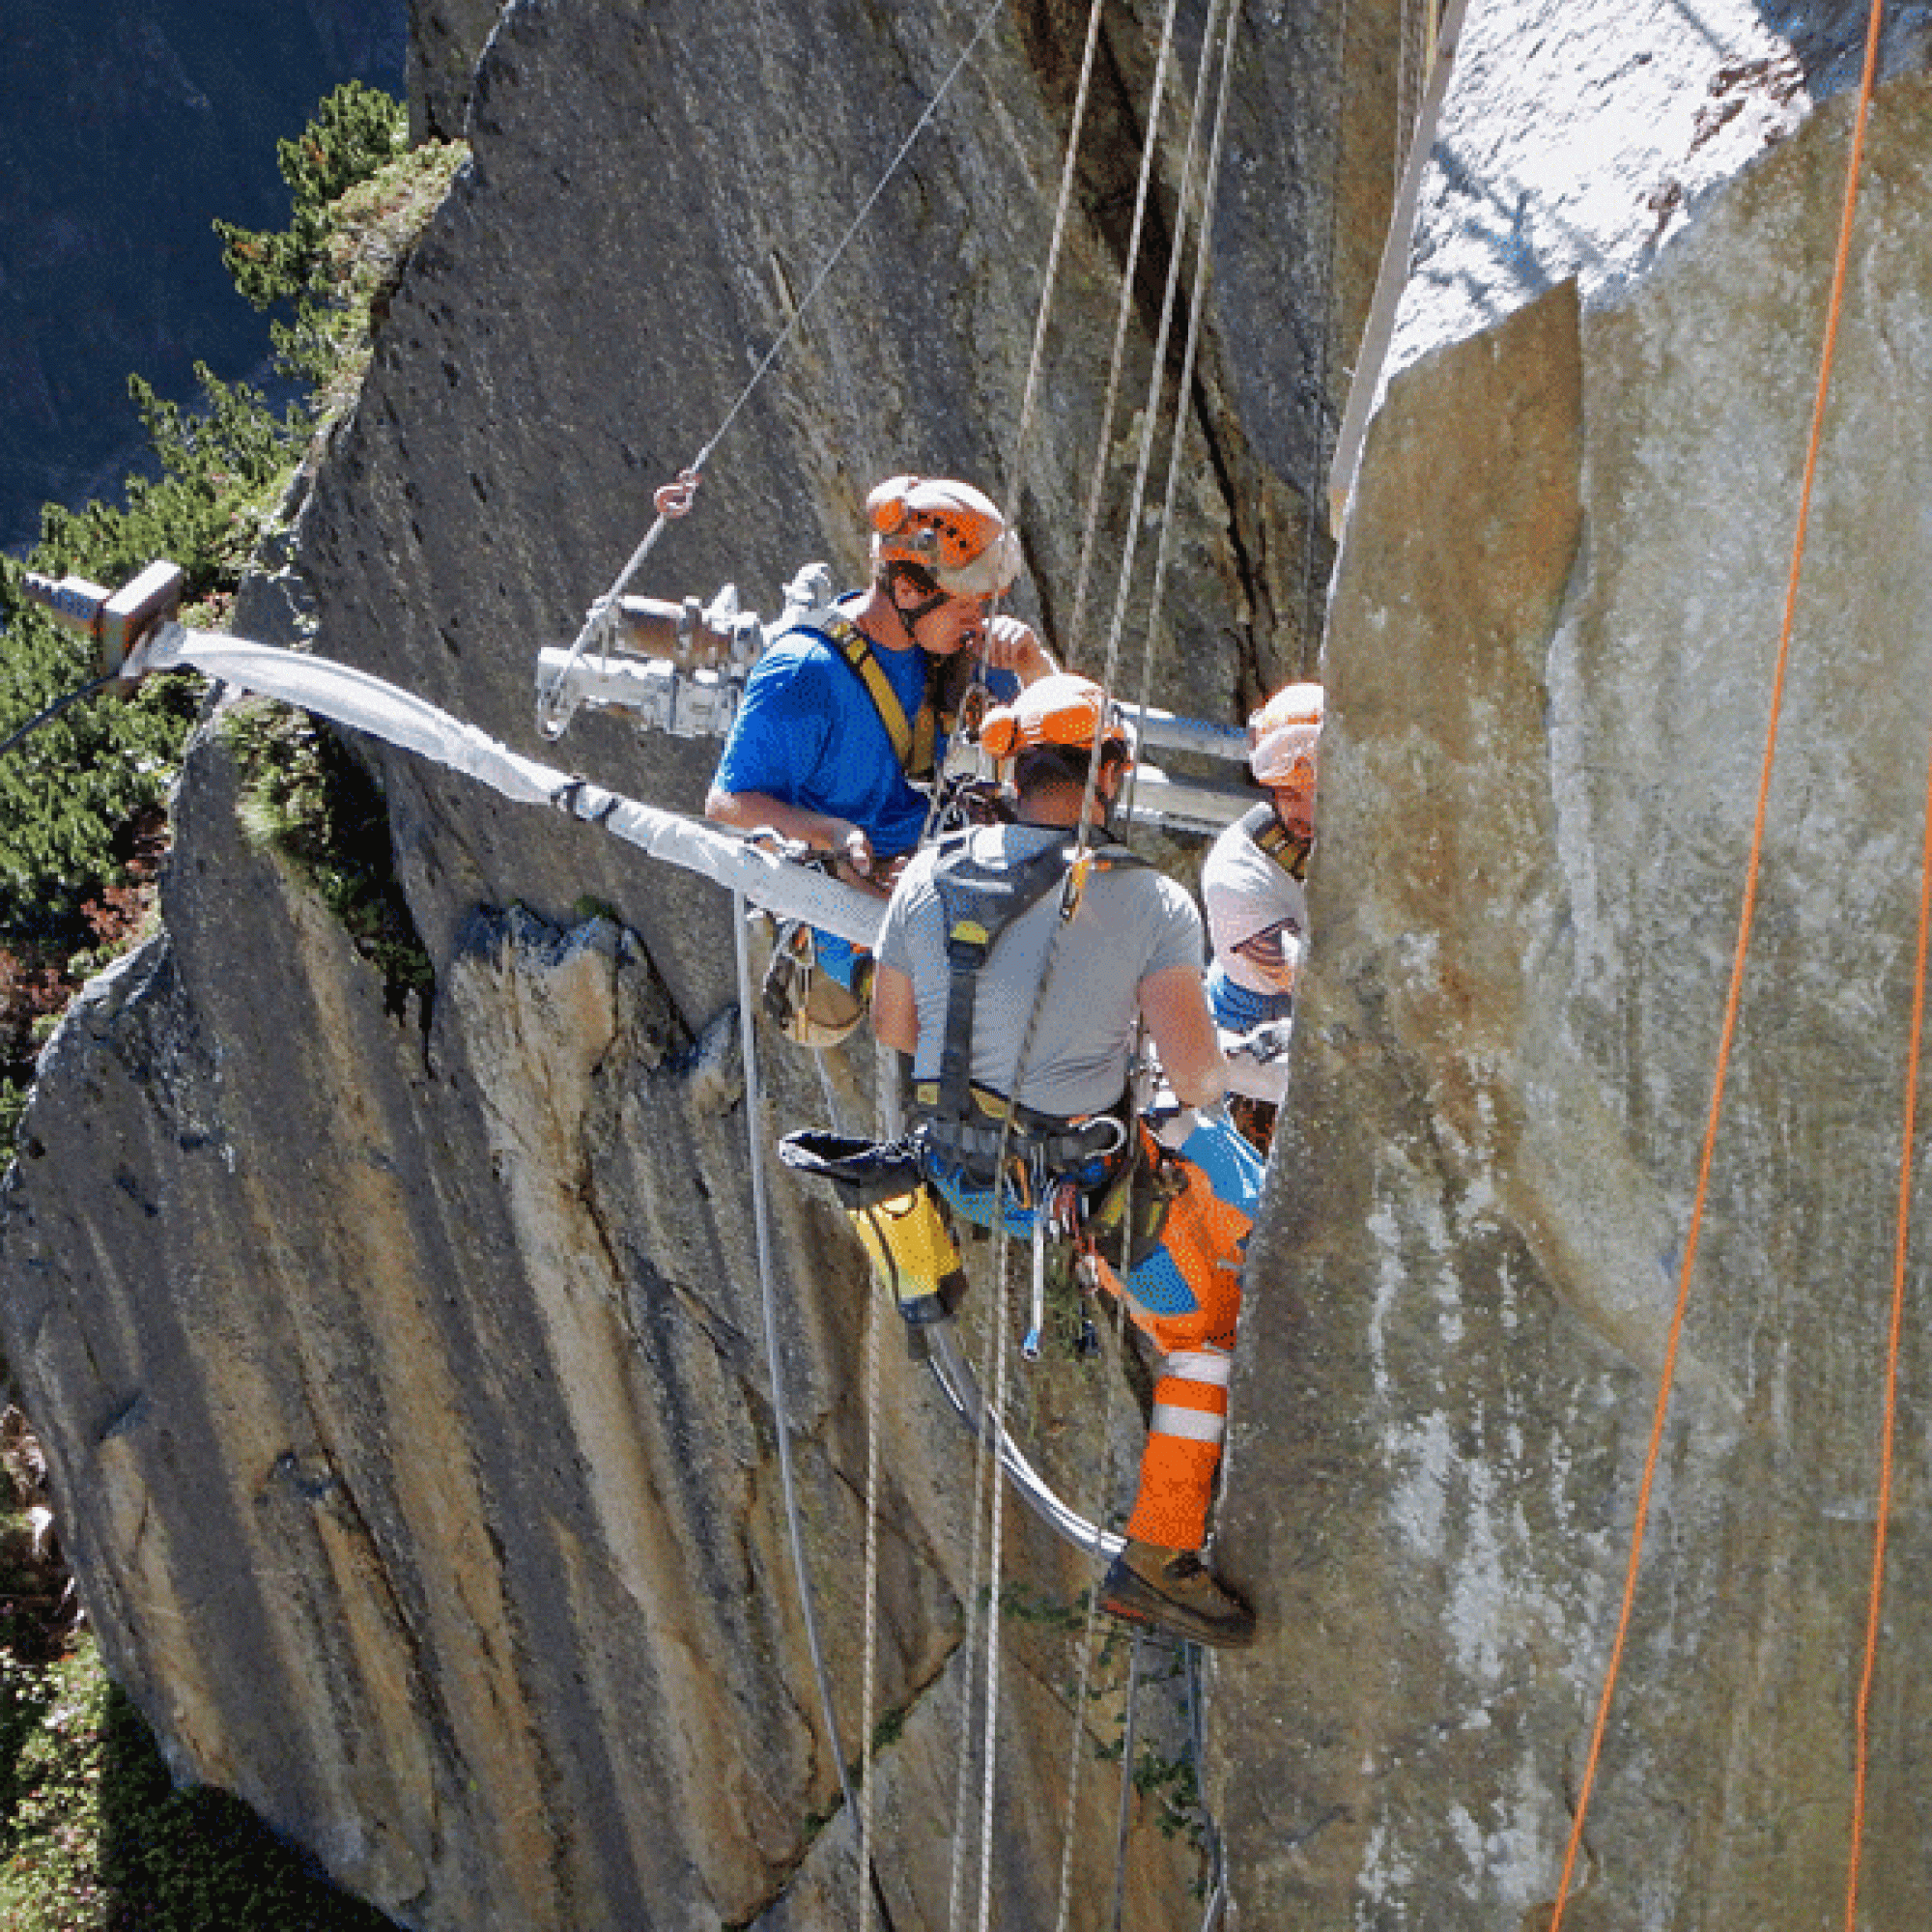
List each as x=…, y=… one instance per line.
x=1163, y=1615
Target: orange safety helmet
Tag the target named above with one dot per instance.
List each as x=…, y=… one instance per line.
x=1061, y=708
x=948, y=529
x=1283, y=734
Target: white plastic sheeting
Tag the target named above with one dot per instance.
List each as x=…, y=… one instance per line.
x=365, y=703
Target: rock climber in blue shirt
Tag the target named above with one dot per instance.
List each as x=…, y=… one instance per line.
x=843, y=716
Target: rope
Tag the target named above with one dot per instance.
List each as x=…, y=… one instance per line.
x=1129, y=1744
x=870, y=1701
x=1734, y=996
x=775, y=1361
x=1203, y=234
x=996, y=1510
x=1082, y=1690
x=602, y=615
x=975, y=1574
x=1050, y=279
x=1083, y=838
x=1097, y=483
x=1313, y=621
x=1197, y=1740
x=1888, y=1433
x=1157, y=373
x=1378, y=330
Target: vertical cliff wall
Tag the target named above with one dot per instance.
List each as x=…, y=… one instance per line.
x=401, y=1373
x=1550, y=653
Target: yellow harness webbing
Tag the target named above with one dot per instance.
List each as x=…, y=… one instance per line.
x=913, y=744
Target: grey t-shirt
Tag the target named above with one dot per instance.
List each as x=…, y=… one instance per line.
x=1131, y=924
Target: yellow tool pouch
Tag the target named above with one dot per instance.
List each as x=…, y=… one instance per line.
x=898, y=1217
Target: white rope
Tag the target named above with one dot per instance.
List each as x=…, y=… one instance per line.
x=1129, y=1744
x=775, y=1363
x=1015, y=475
x=874, y=1312
x=602, y=613
x=828, y=1089
x=1314, y=616
x=1378, y=331
x=1083, y=1688
x=1208, y=191
x=1123, y=315
x=998, y=1341
x=994, y=1547
x=1197, y=1739
x=1203, y=235
x=982, y=1466
x=1115, y=632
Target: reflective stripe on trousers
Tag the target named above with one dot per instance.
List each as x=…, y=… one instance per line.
x=1187, y=1298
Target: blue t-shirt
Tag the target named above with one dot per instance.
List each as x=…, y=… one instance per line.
x=808, y=735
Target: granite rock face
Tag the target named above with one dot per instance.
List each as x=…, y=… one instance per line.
x=446, y=39
x=1550, y=661
x=404, y=1378
x=404, y=1375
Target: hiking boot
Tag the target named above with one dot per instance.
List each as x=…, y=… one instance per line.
x=1173, y=1590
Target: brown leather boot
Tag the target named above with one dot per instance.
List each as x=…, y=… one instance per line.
x=1173, y=1590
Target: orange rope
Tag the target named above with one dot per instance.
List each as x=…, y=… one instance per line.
x=1891, y=1370
x=1734, y=996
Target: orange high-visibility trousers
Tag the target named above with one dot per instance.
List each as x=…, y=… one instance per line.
x=1187, y=1298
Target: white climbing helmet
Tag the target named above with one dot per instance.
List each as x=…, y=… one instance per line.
x=948, y=530
x=1283, y=734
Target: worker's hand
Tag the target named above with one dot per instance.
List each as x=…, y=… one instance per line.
x=1266, y=1042
x=853, y=861
x=1014, y=646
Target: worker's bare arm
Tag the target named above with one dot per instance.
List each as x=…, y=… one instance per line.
x=894, y=1014
x=1176, y=1010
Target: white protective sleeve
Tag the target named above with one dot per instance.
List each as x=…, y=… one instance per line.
x=365, y=703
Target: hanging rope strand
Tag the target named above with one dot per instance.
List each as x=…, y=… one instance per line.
x=602, y=613
x=870, y=1690
x=1124, y=314
x=1734, y=996
x=994, y=1542
x=1157, y=374
x=774, y=1354
x=1314, y=608
x=1203, y=235
x=970, y=1650
x=1049, y=286
x=1888, y=1433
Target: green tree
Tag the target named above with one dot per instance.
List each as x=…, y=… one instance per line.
x=78, y=796
x=357, y=131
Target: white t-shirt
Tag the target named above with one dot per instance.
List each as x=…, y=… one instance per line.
x=1248, y=895
x=1131, y=924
